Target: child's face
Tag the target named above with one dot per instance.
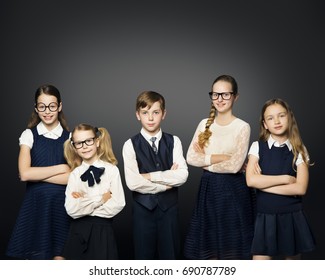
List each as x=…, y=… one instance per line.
x=220, y=104
x=50, y=115
x=276, y=121
x=151, y=118
x=86, y=145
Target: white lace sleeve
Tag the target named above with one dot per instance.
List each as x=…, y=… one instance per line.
x=193, y=158
x=235, y=163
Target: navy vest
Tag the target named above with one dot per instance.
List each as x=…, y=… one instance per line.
x=47, y=152
x=148, y=162
x=276, y=161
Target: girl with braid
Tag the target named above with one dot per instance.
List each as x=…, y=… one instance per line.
x=222, y=222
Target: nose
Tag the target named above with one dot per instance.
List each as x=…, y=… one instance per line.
x=150, y=117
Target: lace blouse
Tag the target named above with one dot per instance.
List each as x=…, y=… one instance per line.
x=231, y=139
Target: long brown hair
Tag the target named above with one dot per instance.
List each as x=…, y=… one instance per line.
x=49, y=90
x=104, y=151
x=293, y=131
x=206, y=134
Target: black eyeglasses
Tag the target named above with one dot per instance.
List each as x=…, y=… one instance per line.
x=224, y=95
x=41, y=107
x=88, y=142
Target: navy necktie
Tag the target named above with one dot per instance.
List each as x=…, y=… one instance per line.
x=91, y=173
x=154, y=147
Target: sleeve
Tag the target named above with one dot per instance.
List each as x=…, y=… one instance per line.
x=134, y=180
x=117, y=201
x=237, y=159
x=254, y=149
x=26, y=138
x=175, y=177
x=197, y=159
x=79, y=207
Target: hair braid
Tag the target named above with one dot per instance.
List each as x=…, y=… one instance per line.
x=205, y=135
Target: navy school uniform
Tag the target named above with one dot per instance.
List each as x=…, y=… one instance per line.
x=281, y=226
x=155, y=216
x=42, y=224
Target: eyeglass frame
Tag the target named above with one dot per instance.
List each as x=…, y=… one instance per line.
x=220, y=94
x=84, y=142
x=48, y=106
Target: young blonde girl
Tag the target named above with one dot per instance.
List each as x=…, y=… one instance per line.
x=94, y=194
x=278, y=168
x=222, y=223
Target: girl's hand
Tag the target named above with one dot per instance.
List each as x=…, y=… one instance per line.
x=174, y=166
x=106, y=196
x=197, y=148
x=77, y=194
x=257, y=169
x=291, y=179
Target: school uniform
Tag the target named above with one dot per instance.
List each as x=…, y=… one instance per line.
x=281, y=226
x=42, y=224
x=91, y=235
x=156, y=231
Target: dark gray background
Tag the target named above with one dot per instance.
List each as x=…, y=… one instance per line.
x=102, y=54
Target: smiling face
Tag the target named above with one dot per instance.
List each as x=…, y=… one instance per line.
x=151, y=118
x=221, y=105
x=276, y=121
x=48, y=117
x=86, y=145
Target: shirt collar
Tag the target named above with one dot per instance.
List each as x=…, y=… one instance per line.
x=42, y=130
x=272, y=142
x=148, y=136
x=96, y=163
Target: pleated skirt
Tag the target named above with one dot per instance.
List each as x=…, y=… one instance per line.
x=91, y=238
x=222, y=222
x=282, y=234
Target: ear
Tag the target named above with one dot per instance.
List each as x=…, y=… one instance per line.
x=236, y=97
x=265, y=125
x=164, y=114
x=137, y=115
x=97, y=142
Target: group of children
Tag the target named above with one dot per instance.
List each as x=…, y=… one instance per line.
x=244, y=210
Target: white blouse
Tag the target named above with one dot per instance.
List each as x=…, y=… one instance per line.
x=231, y=139
x=90, y=203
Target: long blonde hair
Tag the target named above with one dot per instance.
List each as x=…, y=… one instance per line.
x=104, y=151
x=206, y=134
x=293, y=131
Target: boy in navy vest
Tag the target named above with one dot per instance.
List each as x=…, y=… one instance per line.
x=154, y=168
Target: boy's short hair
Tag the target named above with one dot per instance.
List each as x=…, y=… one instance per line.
x=147, y=98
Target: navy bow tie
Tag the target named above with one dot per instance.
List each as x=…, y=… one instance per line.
x=91, y=173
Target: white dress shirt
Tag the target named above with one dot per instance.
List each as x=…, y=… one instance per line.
x=159, y=179
x=91, y=202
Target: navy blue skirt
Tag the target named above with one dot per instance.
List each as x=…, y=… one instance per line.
x=222, y=223
x=42, y=224
x=282, y=234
